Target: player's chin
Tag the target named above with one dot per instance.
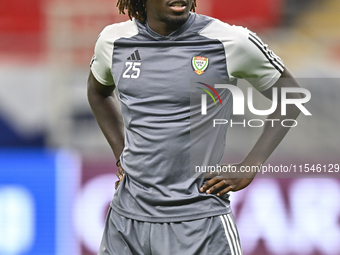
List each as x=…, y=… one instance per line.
x=176, y=19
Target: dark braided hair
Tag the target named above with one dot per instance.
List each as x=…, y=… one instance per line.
x=136, y=8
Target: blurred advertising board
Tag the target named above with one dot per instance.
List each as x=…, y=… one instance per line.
x=37, y=190
x=56, y=203
x=279, y=216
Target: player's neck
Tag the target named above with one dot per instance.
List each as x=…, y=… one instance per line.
x=163, y=27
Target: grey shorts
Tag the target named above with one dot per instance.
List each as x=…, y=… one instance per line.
x=214, y=235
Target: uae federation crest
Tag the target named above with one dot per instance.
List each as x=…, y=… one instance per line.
x=200, y=64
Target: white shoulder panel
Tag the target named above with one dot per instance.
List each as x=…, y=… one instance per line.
x=101, y=62
x=246, y=55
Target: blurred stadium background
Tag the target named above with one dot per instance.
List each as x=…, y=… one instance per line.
x=57, y=171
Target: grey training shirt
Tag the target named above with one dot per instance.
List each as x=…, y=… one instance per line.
x=152, y=74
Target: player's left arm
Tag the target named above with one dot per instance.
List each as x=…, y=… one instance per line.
x=271, y=136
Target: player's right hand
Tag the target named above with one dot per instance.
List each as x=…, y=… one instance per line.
x=120, y=174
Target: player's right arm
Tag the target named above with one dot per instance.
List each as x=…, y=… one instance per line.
x=106, y=111
x=104, y=104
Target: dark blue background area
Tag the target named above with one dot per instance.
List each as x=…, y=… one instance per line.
x=10, y=138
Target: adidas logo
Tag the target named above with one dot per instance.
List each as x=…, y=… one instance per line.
x=134, y=56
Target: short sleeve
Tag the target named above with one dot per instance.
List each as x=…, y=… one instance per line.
x=102, y=60
x=251, y=60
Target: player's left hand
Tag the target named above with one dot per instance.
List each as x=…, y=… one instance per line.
x=227, y=182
